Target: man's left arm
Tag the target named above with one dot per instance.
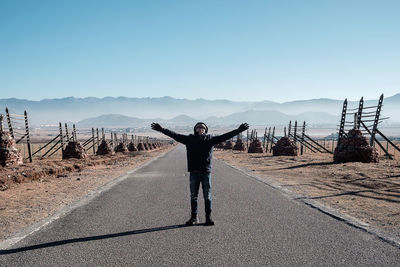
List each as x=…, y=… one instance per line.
x=223, y=137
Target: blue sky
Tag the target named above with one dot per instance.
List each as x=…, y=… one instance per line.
x=238, y=50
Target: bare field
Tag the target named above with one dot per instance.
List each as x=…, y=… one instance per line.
x=368, y=192
x=34, y=191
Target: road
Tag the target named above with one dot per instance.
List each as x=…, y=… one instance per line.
x=140, y=222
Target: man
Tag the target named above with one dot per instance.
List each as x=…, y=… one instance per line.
x=199, y=148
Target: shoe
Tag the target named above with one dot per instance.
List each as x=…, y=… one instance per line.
x=209, y=221
x=193, y=220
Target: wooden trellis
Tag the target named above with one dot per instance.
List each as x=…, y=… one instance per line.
x=361, y=117
x=18, y=127
x=21, y=121
x=305, y=140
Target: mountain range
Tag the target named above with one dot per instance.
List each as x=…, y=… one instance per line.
x=122, y=111
x=251, y=117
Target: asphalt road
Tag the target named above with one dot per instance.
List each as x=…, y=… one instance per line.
x=140, y=222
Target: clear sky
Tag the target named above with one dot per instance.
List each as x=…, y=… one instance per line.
x=276, y=50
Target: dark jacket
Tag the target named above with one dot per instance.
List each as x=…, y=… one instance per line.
x=199, y=148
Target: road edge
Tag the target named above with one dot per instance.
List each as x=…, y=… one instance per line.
x=29, y=230
x=352, y=221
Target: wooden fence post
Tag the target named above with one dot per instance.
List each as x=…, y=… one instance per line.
x=342, y=122
x=268, y=139
x=9, y=123
x=66, y=132
x=272, y=139
x=28, y=141
x=290, y=128
x=376, y=121
x=303, y=131
x=74, y=133
x=112, y=140
x=359, y=113
x=355, y=120
x=1, y=122
x=103, y=137
x=93, y=141
x=295, y=133
x=97, y=140
x=265, y=136
x=61, y=139
x=387, y=149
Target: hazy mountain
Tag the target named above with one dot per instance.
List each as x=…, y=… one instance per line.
x=122, y=121
x=252, y=117
x=270, y=117
x=113, y=120
x=51, y=111
x=183, y=119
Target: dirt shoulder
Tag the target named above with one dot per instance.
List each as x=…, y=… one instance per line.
x=34, y=191
x=367, y=192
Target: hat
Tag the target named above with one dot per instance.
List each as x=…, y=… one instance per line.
x=200, y=124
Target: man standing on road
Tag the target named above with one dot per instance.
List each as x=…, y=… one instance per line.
x=199, y=148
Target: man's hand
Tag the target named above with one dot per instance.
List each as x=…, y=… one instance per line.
x=155, y=126
x=243, y=127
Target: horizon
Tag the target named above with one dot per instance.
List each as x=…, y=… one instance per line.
x=232, y=50
x=224, y=111
x=194, y=99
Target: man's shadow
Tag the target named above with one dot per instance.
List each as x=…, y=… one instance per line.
x=91, y=238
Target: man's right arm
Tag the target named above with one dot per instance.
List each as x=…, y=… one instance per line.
x=177, y=137
x=220, y=138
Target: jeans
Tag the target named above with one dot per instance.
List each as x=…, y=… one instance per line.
x=205, y=180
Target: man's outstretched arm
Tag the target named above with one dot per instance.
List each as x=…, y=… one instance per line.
x=223, y=137
x=177, y=137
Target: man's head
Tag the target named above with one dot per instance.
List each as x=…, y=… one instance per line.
x=200, y=128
